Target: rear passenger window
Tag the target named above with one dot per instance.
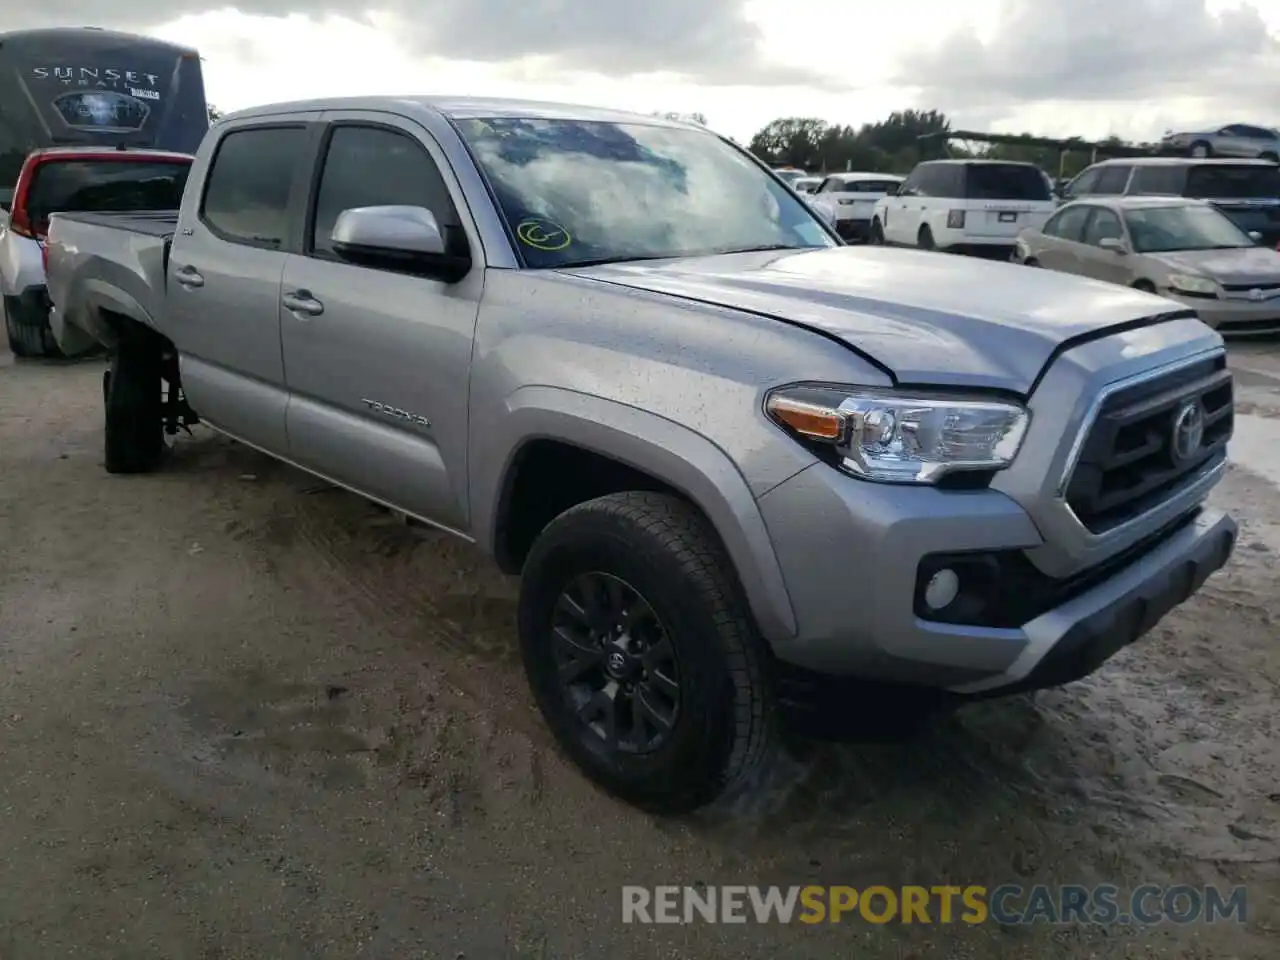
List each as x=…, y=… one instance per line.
x=1111, y=181
x=373, y=167
x=1068, y=224
x=246, y=196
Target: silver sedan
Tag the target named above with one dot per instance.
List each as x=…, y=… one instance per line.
x=1182, y=249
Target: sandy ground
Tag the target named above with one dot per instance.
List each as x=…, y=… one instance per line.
x=244, y=716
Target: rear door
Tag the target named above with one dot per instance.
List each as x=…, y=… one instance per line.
x=1057, y=247
x=379, y=361
x=1002, y=199
x=1234, y=141
x=223, y=295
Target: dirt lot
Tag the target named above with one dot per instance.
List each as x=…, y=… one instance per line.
x=242, y=715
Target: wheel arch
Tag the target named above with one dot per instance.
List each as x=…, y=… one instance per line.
x=651, y=450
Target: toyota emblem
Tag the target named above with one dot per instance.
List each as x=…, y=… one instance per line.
x=617, y=662
x=1188, y=430
x=1255, y=294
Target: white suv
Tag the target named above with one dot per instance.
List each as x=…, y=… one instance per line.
x=964, y=206
x=847, y=201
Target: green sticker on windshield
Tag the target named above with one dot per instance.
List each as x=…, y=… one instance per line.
x=543, y=234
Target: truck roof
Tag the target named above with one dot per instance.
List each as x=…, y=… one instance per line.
x=465, y=108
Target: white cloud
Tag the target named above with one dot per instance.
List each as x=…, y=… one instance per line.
x=1089, y=67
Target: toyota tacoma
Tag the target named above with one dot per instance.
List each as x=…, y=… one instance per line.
x=745, y=472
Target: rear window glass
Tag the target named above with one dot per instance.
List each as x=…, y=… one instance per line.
x=868, y=186
x=1228, y=182
x=1005, y=181
x=93, y=186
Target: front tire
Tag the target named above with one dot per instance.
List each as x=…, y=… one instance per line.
x=924, y=239
x=877, y=233
x=134, y=408
x=1201, y=149
x=641, y=654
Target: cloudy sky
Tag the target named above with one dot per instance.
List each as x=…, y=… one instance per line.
x=1089, y=67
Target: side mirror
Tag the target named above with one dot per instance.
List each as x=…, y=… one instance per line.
x=1255, y=236
x=1114, y=244
x=397, y=238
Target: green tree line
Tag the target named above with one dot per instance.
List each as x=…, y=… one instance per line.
x=892, y=145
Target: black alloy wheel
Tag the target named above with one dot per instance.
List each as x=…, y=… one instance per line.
x=617, y=667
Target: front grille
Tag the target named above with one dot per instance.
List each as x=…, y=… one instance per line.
x=1129, y=462
x=1246, y=287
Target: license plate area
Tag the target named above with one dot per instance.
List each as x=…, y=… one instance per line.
x=1007, y=216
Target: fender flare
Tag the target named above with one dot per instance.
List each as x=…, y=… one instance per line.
x=100, y=295
x=685, y=460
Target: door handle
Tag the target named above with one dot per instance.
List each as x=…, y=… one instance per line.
x=189, y=277
x=301, y=301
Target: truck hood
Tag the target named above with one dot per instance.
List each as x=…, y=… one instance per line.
x=929, y=318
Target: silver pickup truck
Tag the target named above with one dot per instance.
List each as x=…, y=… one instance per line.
x=746, y=473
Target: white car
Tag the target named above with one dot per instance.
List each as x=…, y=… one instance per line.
x=847, y=201
x=964, y=206
x=805, y=185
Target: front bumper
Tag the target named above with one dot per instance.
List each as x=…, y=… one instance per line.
x=1235, y=317
x=851, y=553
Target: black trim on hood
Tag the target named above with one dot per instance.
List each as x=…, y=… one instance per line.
x=1092, y=335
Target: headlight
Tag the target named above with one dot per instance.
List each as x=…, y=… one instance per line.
x=902, y=438
x=1197, y=286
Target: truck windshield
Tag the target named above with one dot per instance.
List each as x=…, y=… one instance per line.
x=94, y=186
x=576, y=192
x=1221, y=181
x=1166, y=229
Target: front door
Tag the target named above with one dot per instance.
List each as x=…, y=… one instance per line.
x=378, y=362
x=223, y=297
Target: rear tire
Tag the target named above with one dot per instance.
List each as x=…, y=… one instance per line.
x=664, y=552
x=1031, y=262
x=1201, y=148
x=1274, y=158
x=28, y=340
x=134, y=408
x=877, y=233
x=924, y=239
x=1146, y=286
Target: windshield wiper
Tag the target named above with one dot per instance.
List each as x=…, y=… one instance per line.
x=601, y=261
x=763, y=248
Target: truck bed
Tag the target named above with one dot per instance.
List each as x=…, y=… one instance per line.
x=153, y=223
x=102, y=264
